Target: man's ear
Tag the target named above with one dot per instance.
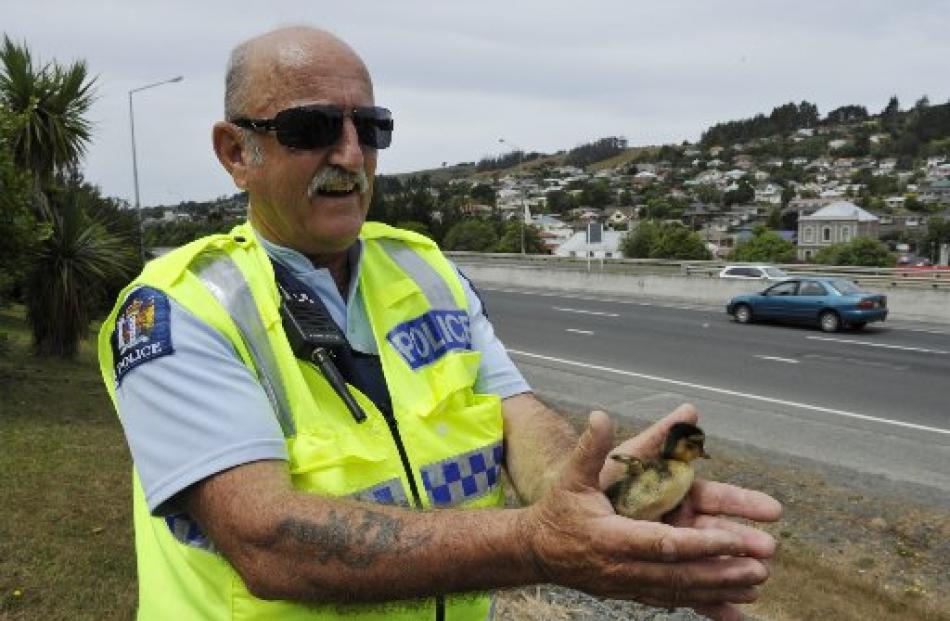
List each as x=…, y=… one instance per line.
x=229, y=147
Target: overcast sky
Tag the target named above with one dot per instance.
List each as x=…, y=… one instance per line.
x=542, y=75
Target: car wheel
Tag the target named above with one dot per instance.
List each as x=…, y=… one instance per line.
x=829, y=320
x=743, y=313
x=858, y=325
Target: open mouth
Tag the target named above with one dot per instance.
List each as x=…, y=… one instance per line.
x=336, y=193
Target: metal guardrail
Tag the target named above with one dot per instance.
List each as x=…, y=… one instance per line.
x=894, y=277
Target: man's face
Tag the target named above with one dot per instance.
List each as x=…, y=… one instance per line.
x=281, y=207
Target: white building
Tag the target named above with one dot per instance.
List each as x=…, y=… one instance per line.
x=578, y=247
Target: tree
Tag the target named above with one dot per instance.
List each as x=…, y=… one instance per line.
x=415, y=227
x=788, y=194
x=938, y=233
x=511, y=237
x=708, y=194
x=474, y=235
x=595, y=151
x=638, y=243
x=484, y=194
x=79, y=260
x=764, y=246
x=53, y=100
x=559, y=201
x=892, y=108
x=596, y=194
x=662, y=240
x=19, y=229
x=658, y=209
x=625, y=198
x=744, y=193
x=69, y=274
x=862, y=251
x=678, y=242
x=846, y=114
x=911, y=203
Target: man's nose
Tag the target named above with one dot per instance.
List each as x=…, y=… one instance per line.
x=346, y=152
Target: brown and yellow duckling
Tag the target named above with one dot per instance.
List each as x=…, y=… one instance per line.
x=654, y=487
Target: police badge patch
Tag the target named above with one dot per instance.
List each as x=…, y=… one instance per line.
x=142, y=331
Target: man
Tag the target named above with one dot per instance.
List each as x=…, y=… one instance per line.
x=259, y=494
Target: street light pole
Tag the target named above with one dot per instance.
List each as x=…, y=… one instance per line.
x=524, y=205
x=135, y=165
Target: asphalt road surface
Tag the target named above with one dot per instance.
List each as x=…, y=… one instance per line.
x=874, y=401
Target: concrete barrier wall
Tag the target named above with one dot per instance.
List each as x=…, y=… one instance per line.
x=911, y=304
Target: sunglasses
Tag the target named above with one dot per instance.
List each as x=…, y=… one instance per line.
x=320, y=126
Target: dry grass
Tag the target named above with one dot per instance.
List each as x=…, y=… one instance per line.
x=809, y=586
x=528, y=605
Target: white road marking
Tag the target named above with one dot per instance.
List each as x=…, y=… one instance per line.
x=777, y=359
x=882, y=345
x=734, y=393
x=575, y=331
x=584, y=312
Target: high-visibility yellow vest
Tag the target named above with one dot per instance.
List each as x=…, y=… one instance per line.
x=452, y=435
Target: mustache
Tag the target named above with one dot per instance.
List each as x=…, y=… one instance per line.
x=335, y=179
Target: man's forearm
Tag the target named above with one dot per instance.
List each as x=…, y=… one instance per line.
x=358, y=553
x=292, y=545
x=538, y=440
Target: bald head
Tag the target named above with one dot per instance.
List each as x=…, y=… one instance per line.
x=258, y=67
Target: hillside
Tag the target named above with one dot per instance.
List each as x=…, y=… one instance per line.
x=765, y=170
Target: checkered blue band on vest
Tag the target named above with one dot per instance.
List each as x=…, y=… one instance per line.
x=463, y=477
x=187, y=531
x=386, y=493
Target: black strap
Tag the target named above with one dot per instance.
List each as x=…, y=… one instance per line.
x=364, y=371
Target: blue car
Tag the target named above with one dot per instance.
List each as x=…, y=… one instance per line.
x=832, y=303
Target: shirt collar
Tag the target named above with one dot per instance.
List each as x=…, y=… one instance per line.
x=300, y=265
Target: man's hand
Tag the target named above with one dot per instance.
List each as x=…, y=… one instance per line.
x=702, y=561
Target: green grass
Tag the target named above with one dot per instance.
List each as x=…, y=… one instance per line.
x=66, y=547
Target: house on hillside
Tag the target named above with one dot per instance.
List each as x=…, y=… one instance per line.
x=894, y=202
x=476, y=209
x=553, y=230
x=644, y=178
x=618, y=219
x=770, y=193
x=938, y=192
x=839, y=222
x=578, y=246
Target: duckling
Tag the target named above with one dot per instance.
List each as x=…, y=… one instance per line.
x=654, y=487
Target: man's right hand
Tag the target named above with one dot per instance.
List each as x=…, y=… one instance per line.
x=575, y=539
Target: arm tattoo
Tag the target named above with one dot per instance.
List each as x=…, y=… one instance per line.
x=355, y=538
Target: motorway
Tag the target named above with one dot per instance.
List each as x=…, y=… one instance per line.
x=875, y=401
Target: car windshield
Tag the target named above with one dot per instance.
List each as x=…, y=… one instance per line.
x=845, y=287
x=775, y=272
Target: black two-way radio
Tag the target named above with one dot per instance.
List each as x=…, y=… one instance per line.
x=314, y=336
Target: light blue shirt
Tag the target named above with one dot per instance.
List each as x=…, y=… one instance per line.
x=199, y=410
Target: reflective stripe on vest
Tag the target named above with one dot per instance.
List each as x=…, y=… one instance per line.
x=462, y=478
x=432, y=285
x=225, y=282
x=386, y=493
